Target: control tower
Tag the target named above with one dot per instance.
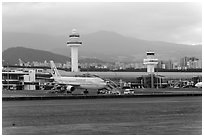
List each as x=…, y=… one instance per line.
x=150, y=61
x=74, y=43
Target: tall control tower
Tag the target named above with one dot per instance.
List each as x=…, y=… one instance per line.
x=150, y=61
x=74, y=43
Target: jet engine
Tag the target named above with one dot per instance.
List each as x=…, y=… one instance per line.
x=70, y=88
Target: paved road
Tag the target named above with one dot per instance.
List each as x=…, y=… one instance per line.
x=114, y=116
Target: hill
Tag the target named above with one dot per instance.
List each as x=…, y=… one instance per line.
x=11, y=55
x=126, y=48
x=104, y=45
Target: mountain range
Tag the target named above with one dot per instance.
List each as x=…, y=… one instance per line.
x=12, y=56
x=103, y=45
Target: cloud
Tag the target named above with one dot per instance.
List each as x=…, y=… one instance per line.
x=172, y=22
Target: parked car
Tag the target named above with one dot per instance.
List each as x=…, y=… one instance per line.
x=129, y=91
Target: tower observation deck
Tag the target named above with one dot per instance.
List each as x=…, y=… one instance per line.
x=74, y=43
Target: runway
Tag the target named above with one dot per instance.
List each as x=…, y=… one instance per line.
x=111, y=116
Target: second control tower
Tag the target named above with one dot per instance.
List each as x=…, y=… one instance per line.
x=74, y=43
x=150, y=61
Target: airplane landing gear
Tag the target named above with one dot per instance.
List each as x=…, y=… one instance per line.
x=98, y=92
x=86, y=92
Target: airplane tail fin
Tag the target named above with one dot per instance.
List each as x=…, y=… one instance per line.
x=54, y=70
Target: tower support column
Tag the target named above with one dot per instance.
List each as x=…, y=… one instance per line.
x=74, y=59
x=152, y=80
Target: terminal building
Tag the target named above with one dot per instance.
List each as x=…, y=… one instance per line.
x=29, y=79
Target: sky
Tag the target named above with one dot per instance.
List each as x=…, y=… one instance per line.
x=176, y=22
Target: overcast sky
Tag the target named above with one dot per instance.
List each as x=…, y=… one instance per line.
x=170, y=22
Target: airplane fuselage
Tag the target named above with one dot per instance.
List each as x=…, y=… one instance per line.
x=82, y=82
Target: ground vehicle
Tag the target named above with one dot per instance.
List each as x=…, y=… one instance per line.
x=128, y=90
x=198, y=85
x=108, y=92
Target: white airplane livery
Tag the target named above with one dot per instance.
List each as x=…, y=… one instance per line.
x=71, y=83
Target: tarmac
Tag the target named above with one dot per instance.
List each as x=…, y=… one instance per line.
x=47, y=95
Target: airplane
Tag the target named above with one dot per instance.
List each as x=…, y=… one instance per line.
x=198, y=85
x=80, y=82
